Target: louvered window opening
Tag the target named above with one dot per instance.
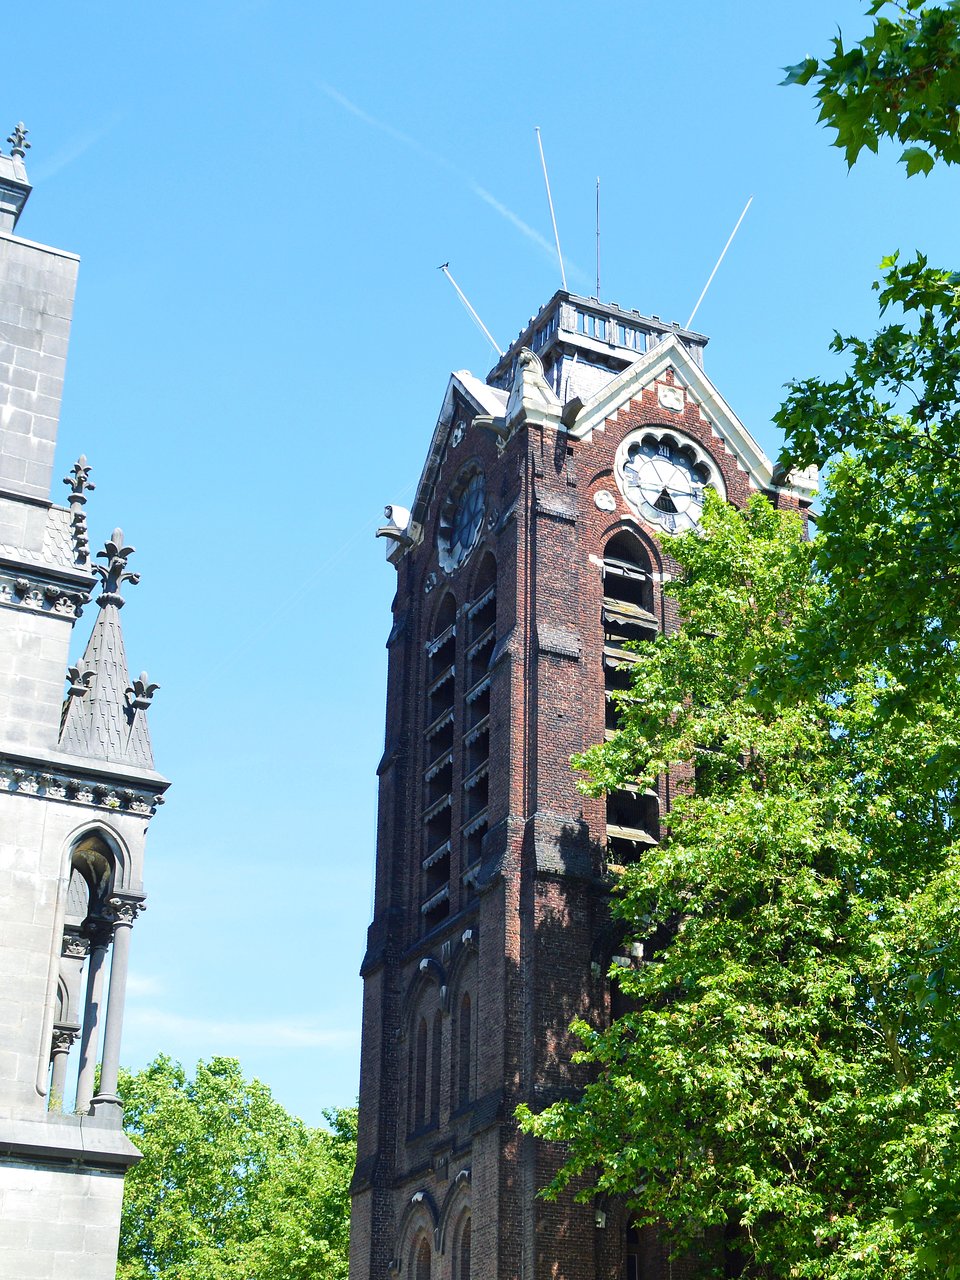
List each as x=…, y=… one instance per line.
x=628, y=618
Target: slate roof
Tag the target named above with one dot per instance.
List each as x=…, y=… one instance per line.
x=59, y=550
x=101, y=724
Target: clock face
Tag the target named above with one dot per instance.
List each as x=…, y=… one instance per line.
x=663, y=477
x=461, y=520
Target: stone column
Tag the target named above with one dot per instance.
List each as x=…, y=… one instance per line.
x=100, y=932
x=125, y=909
x=64, y=1035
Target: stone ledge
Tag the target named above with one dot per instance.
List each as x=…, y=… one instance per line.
x=85, y=1140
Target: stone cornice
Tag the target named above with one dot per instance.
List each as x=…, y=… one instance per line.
x=33, y=590
x=88, y=788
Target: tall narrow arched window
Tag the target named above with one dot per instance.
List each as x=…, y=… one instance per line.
x=461, y=1257
x=439, y=718
x=436, y=1059
x=480, y=642
x=87, y=931
x=633, y=818
x=420, y=1077
x=633, y=1254
x=421, y=1269
x=464, y=1050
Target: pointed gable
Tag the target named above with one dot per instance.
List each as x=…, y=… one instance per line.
x=689, y=380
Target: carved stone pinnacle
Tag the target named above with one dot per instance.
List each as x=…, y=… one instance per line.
x=79, y=480
x=114, y=574
x=18, y=141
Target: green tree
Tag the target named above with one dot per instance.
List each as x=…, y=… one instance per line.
x=789, y=1072
x=231, y=1187
x=786, y=1074
x=901, y=81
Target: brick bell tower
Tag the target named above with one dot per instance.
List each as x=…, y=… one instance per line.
x=531, y=554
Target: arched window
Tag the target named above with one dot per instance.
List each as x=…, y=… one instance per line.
x=633, y=1268
x=421, y=1267
x=461, y=1257
x=436, y=1059
x=481, y=641
x=464, y=1051
x=438, y=757
x=87, y=930
x=420, y=1077
x=633, y=818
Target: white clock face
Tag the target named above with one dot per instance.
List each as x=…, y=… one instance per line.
x=663, y=476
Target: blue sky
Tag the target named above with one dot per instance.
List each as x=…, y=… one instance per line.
x=261, y=193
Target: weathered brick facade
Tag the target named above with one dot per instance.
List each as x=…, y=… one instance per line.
x=491, y=929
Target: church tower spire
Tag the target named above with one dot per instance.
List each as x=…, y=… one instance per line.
x=78, y=789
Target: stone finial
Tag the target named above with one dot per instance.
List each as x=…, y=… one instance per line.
x=114, y=574
x=142, y=692
x=79, y=678
x=79, y=482
x=18, y=141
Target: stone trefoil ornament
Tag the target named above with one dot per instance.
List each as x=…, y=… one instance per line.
x=114, y=574
x=140, y=693
x=19, y=146
x=79, y=678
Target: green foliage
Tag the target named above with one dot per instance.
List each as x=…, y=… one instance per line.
x=230, y=1187
x=889, y=543
x=788, y=1076
x=787, y=1071
x=901, y=81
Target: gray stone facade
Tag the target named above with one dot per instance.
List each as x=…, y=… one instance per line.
x=77, y=791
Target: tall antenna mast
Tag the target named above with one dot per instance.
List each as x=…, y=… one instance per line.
x=445, y=268
x=553, y=216
x=598, y=239
x=719, y=260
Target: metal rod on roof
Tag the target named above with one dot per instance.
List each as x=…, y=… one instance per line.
x=598, y=239
x=719, y=260
x=445, y=268
x=553, y=216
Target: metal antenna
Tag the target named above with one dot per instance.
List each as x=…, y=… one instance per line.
x=598, y=239
x=553, y=216
x=719, y=260
x=445, y=268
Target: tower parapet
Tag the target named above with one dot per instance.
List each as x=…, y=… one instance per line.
x=583, y=343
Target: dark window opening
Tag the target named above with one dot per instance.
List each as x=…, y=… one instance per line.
x=440, y=695
x=440, y=738
x=476, y=747
x=439, y=779
x=476, y=792
x=633, y=824
x=478, y=703
x=437, y=872
x=435, y=910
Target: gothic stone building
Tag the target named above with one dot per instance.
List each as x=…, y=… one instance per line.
x=77, y=790
x=531, y=555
